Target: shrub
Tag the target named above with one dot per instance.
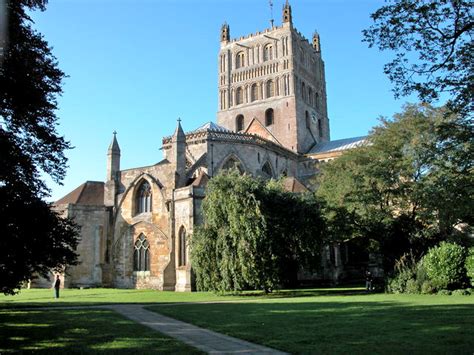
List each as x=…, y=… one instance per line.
x=444, y=265
x=405, y=276
x=427, y=288
x=412, y=286
x=461, y=292
x=470, y=265
x=444, y=293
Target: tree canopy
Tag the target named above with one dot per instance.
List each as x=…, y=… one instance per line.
x=409, y=187
x=34, y=238
x=432, y=41
x=255, y=235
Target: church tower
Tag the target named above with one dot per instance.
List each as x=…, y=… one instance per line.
x=276, y=77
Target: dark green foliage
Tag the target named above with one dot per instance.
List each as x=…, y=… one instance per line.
x=433, y=49
x=444, y=266
x=34, y=238
x=409, y=188
x=255, y=235
x=470, y=265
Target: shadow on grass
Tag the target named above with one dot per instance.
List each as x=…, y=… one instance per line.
x=80, y=331
x=339, y=327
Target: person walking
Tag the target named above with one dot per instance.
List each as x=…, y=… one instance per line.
x=57, y=286
x=368, y=281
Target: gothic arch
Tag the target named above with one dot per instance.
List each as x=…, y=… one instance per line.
x=267, y=169
x=182, y=247
x=230, y=161
x=136, y=182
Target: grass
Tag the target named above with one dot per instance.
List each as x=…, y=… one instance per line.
x=97, y=296
x=339, y=320
x=80, y=331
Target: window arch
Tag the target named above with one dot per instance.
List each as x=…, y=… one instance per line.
x=239, y=123
x=303, y=91
x=267, y=52
x=316, y=100
x=141, y=254
x=253, y=92
x=267, y=170
x=239, y=96
x=320, y=127
x=232, y=163
x=310, y=96
x=239, y=60
x=144, y=198
x=270, y=88
x=269, y=117
x=308, y=122
x=182, y=247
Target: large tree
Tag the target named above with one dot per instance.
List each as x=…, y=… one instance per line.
x=409, y=187
x=33, y=238
x=255, y=235
x=433, y=46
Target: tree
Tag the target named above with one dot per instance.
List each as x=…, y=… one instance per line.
x=409, y=187
x=35, y=240
x=255, y=235
x=433, y=48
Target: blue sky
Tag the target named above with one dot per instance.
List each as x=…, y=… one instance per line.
x=136, y=66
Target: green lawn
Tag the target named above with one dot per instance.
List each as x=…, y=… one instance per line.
x=339, y=320
x=97, y=296
x=80, y=331
x=346, y=323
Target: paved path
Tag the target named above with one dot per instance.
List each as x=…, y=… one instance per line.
x=202, y=339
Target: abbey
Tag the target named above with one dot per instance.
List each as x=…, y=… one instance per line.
x=271, y=122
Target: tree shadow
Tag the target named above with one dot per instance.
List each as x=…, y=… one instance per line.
x=338, y=327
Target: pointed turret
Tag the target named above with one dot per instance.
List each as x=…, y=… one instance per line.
x=287, y=13
x=113, y=158
x=316, y=42
x=225, y=32
x=113, y=168
x=178, y=154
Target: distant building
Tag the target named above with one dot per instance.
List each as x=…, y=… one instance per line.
x=272, y=122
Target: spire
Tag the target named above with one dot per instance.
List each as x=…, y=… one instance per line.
x=225, y=32
x=178, y=135
x=287, y=13
x=316, y=42
x=114, y=146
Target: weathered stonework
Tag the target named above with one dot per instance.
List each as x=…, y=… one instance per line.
x=136, y=225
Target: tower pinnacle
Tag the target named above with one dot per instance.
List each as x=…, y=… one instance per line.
x=287, y=13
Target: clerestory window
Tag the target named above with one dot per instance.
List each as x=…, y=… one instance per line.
x=144, y=197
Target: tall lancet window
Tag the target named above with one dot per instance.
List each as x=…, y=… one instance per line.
x=141, y=255
x=182, y=247
x=144, y=197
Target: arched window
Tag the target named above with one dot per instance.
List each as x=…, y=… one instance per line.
x=269, y=117
x=239, y=60
x=267, y=170
x=308, y=122
x=310, y=96
x=267, y=52
x=303, y=91
x=239, y=123
x=232, y=163
x=320, y=127
x=182, y=247
x=270, y=88
x=316, y=100
x=239, y=96
x=141, y=254
x=143, y=201
x=253, y=92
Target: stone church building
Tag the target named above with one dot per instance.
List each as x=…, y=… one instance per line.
x=271, y=122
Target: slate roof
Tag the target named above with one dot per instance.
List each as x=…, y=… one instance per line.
x=211, y=126
x=339, y=145
x=89, y=193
